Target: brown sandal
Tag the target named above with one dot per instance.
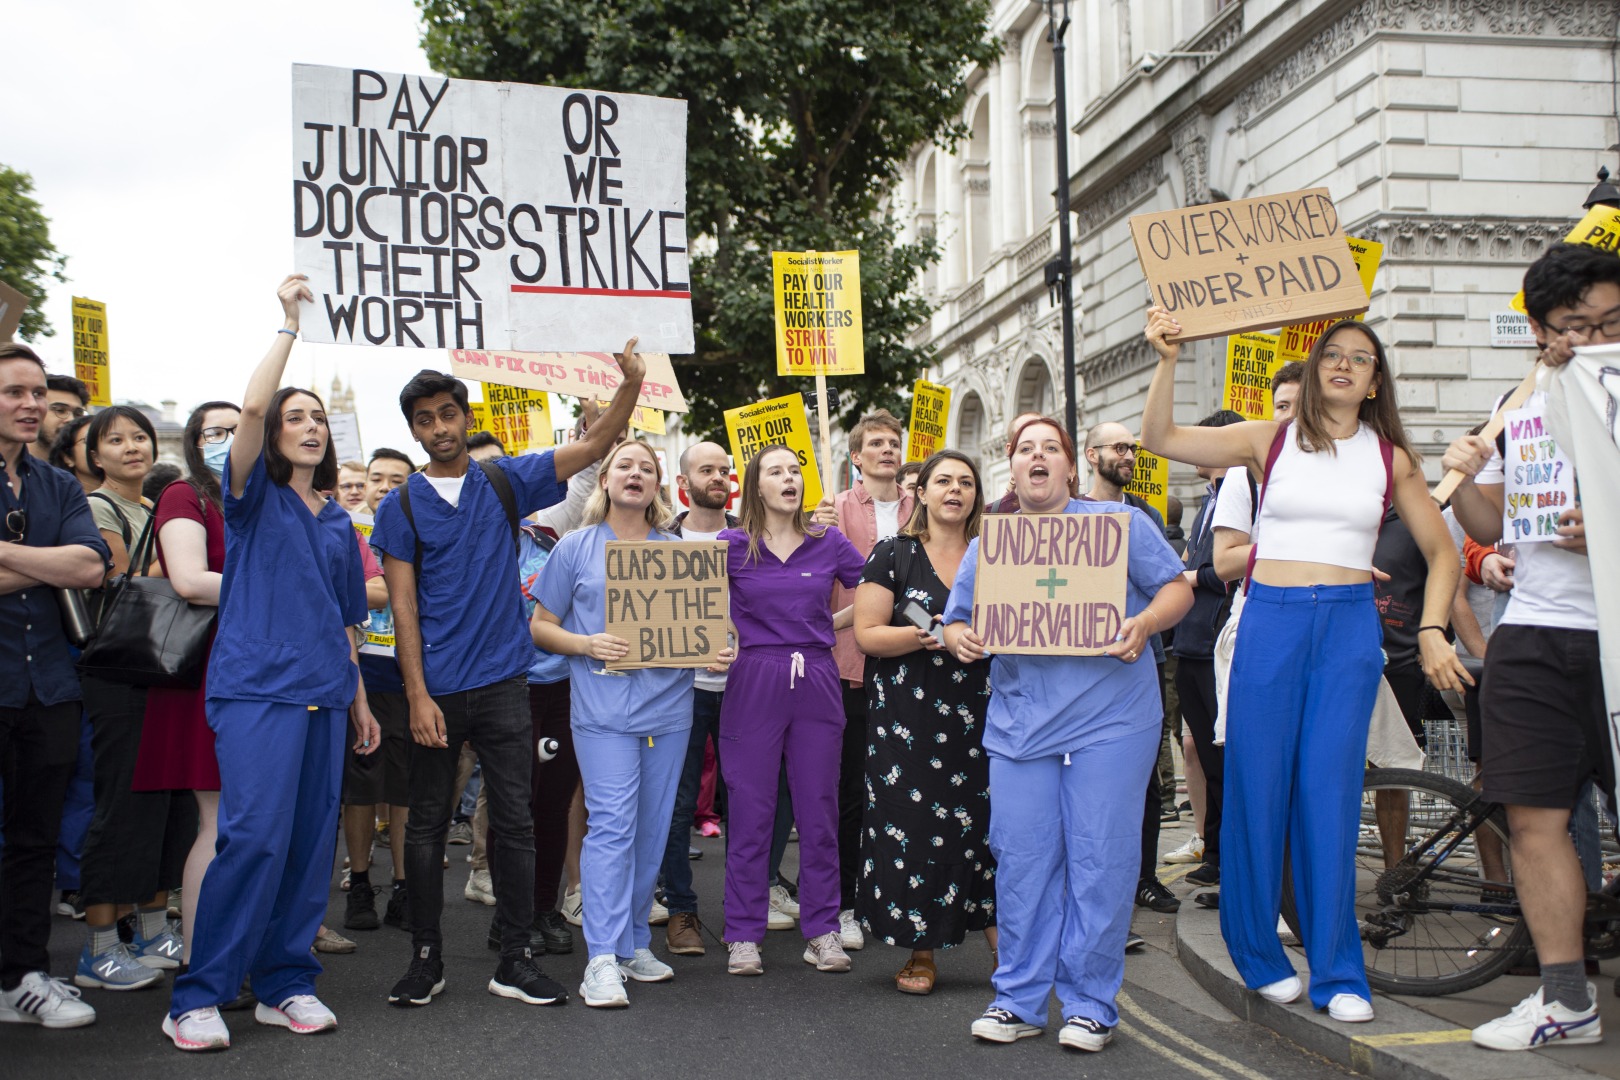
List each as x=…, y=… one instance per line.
x=919, y=969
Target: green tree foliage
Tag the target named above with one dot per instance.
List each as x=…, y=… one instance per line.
x=27, y=256
x=800, y=115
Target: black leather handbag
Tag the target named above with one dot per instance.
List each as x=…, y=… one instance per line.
x=147, y=634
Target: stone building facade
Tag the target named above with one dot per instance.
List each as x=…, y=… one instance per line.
x=1462, y=134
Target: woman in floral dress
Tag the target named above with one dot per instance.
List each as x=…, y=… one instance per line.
x=927, y=876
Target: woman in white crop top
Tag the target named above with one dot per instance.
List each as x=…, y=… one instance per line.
x=1308, y=655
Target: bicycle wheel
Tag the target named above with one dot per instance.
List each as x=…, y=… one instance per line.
x=1456, y=929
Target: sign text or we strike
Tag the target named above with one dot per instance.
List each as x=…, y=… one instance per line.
x=448, y=213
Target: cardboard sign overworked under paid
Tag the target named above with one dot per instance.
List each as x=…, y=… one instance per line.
x=1294, y=342
x=1051, y=584
x=930, y=405
x=447, y=213
x=777, y=420
x=818, y=312
x=12, y=306
x=670, y=600
x=1249, y=264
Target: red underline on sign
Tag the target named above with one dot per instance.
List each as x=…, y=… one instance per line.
x=667, y=293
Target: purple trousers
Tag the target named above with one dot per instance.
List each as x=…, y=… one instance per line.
x=781, y=705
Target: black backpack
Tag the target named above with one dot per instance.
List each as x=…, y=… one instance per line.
x=503, y=490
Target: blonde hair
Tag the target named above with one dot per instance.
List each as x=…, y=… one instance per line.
x=658, y=514
x=751, y=512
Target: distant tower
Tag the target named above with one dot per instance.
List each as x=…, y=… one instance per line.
x=341, y=399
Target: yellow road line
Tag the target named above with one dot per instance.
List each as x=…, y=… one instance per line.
x=1178, y=873
x=1173, y=1035
x=1165, y=1052
x=1415, y=1038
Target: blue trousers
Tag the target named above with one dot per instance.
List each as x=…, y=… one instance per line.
x=77, y=811
x=1066, y=839
x=630, y=783
x=1304, y=678
x=262, y=900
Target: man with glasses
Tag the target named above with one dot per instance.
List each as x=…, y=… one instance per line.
x=50, y=542
x=66, y=399
x=1543, y=721
x=351, y=486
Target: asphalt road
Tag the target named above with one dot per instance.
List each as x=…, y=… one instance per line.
x=793, y=1021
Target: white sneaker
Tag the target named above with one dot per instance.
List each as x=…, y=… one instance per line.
x=199, y=1029
x=40, y=999
x=573, y=907
x=849, y=931
x=480, y=890
x=827, y=953
x=743, y=958
x=1284, y=991
x=1535, y=1022
x=999, y=1025
x=645, y=967
x=1190, y=852
x=777, y=919
x=782, y=900
x=1350, y=1009
x=603, y=986
x=658, y=914
x=1284, y=934
x=1084, y=1033
x=301, y=1014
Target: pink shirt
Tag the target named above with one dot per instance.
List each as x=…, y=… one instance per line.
x=857, y=520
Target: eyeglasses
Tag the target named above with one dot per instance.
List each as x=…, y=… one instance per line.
x=1608, y=326
x=66, y=411
x=353, y=486
x=1360, y=361
x=1120, y=449
x=16, y=525
x=217, y=434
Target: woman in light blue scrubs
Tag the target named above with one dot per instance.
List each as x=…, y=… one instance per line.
x=281, y=678
x=630, y=727
x=1071, y=740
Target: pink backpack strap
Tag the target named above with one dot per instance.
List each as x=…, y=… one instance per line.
x=1271, y=459
x=1386, y=450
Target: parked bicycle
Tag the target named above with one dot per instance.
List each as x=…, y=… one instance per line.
x=1435, y=897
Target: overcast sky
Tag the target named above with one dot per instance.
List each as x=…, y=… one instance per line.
x=159, y=136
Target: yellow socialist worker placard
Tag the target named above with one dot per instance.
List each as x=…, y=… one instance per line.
x=818, y=312
x=778, y=420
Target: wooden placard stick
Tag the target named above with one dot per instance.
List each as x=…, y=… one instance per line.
x=828, y=481
x=1448, y=485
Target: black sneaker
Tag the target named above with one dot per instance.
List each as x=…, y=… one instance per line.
x=1208, y=874
x=554, y=933
x=397, y=900
x=1084, y=1033
x=360, y=910
x=423, y=980
x=520, y=978
x=1134, y=941
x=999, y=1025
x=1151, y=893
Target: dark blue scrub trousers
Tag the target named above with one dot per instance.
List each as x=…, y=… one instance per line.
x=1304, y=678
x=263, y=898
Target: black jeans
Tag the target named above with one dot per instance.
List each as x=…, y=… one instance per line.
x=678, y=894
x=39, y=745
x=1153, y=801
x=495, y=719
x=851, y=792
x=1195, y=681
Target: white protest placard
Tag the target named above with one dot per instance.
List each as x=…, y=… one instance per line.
x=453, y=214
x=345, y=430
x=1511, y=330
x=1540, y=483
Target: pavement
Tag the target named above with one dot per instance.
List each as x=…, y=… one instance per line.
x=792, y=1021
x=1411, y=1038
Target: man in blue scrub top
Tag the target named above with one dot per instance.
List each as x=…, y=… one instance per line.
x=47, y=541
x=464, y=651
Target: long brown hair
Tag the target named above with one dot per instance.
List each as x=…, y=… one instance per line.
x=276, y=465
x=917, y=526
x=751, y=512
x=1379, y=412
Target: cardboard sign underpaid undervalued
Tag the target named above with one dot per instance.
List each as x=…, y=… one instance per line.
x=1051, y=584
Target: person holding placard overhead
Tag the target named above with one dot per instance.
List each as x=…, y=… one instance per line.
x=281, y=676
x=1307, y=659
x=630, y=727
x=1071, y=741
x=783, y=705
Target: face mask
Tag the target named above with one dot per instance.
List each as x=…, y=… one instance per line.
x=215, y=455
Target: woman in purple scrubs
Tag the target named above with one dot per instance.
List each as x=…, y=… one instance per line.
x=783, y=703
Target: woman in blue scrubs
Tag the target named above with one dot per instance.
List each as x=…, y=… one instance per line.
x=630, y=727
x=1071, y=740
x=281, y=678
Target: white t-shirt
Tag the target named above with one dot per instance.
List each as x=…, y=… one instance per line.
x=704, y=680
x=888, y=518
x=1551, y=586
x=1234, y=508
x=448, y=487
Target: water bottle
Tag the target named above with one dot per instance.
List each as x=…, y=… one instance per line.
x=546, y=749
